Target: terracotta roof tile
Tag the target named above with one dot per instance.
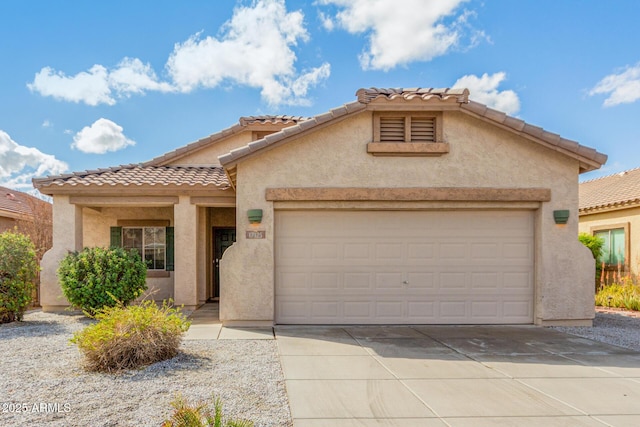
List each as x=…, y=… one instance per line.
x=137, y=175
x=460, y=97
x=290, y=131
x=552, y=139
x=365, y=96
x=17, y=202
x=243, y=122
x=610, y=191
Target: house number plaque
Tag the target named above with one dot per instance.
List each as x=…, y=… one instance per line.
x=256, y=234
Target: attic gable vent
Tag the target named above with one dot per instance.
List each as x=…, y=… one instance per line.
x=423, y=129
x=392, y=129
x=410, y=133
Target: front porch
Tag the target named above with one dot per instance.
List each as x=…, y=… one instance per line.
x=182, y=261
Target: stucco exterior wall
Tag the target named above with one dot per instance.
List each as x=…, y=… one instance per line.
x=481, y=155
x=67, y=237
x=96, y=233
x=209, y=155
x=604, y=219
x=7, y=223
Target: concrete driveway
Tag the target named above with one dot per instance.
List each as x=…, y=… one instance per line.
x=456, y=376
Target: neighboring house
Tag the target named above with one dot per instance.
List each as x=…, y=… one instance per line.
x=29, y=214
x=409, y=206
x=14, y=207
x=610, y=209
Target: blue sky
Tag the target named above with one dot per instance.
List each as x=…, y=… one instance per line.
x=85, y=85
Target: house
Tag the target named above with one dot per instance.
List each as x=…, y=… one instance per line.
x=610, y=208
x=413, y=206
x=17, y=208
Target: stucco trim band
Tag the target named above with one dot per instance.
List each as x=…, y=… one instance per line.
x=154, y=201
x=408, y=148
x=409, y=194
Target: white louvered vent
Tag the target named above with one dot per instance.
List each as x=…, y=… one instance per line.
x=392, y=129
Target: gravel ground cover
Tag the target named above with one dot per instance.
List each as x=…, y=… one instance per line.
x=617, y=327
x=42, y=372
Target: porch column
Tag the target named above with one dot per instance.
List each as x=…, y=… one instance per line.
x=185, y=218
x=67, y=237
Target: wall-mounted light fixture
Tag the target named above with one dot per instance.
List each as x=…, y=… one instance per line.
x=255, y=216
x=561, y=216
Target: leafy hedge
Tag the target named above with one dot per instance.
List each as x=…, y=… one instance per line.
x=97, y=277
x=18, y=272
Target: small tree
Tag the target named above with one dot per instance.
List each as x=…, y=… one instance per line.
x=594, y=243
x=97, y=277
x=18, y=271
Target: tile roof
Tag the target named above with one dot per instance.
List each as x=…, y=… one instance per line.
x=243, y=122
x=267, y=119
x=613, y=191
x=366, y=96
x=138, y=175
x=17, y=202
x=590, y=158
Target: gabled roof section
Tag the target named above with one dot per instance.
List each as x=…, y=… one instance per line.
x=617, y=191
x=138, y=175
x=428, y=99
x=255, y=123
x=18, y=204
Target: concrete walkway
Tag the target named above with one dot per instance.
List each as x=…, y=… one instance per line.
x=456, y=376
x=205, y=325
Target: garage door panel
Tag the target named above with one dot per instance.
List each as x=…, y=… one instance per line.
x=404, y=267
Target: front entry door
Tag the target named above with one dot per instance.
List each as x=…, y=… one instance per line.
x=222, y=239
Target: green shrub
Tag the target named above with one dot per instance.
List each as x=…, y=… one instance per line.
x=131, y=337
x=594, y=243
x=200, y=415
x=18, y=272
x=98, y=277
x=626, y=295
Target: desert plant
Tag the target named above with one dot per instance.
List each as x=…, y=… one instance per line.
x=625, y=295
x=97, y=277
x=594, y=243
x=200, y=415
x=18, y=272
x=132, y=336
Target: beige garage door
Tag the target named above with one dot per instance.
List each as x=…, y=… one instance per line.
x=404, y=267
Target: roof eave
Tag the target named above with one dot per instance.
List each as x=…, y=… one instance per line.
x=335, y=115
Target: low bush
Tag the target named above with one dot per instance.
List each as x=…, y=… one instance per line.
x=626, y=295
x=131, y=337
x=18, y=272
x=96, y=277
x=200, y=415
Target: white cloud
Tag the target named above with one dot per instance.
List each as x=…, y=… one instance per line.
x=485, y=90
x=132, y=76
x=255, y=50
x=401, y=31
x=102, y=136
x=99, y=85
x=90, y=87
x=18, y=164
x=47, y=123
x=327, y=21
x=622, y=88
